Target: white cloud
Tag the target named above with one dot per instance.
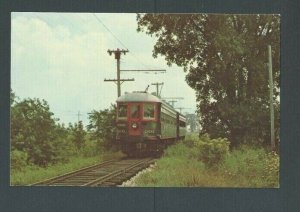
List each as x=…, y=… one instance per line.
x=63, y=58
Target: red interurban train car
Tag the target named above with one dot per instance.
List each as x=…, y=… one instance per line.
x=146, y=124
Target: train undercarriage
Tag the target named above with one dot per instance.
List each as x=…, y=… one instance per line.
x=138, y=147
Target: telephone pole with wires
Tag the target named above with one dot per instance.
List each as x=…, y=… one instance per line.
x=157, y=84
x=119, y=81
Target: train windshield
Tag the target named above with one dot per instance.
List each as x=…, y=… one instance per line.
x=149, y=110
x=135, y=111
x=122, y=111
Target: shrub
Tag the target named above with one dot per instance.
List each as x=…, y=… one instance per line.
x=271, y=170
x=65, y=150
x=210, y=151
x=178, y=150
x=251, y=167
x=191, y=140
x=90, y=149
x=18, y=159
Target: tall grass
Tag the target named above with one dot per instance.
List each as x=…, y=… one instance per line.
x=183, y=165
x=251, y=167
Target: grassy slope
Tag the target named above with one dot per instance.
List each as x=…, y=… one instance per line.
x=30, y=174
x=246, y=167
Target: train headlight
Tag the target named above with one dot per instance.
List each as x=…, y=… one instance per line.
x=134, y=125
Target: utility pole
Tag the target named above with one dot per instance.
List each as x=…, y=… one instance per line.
x=78, y=116
x=157, y=87
x=119, y=81
x=271, y=98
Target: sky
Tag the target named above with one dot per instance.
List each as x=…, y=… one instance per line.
x=62, y=58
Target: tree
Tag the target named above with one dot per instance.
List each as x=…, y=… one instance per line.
x=191, y=120
x=78, y=135
x=102, y=126
x=225, y=59
x=64, y=144
x=32, y=131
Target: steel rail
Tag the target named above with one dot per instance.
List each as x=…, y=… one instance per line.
x=110, y=176
x=71, y=174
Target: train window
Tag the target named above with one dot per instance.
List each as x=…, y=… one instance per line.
x=135, y=111
x=148, y=110
x=122, y=112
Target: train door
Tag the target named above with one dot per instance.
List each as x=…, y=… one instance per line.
x=135, y=116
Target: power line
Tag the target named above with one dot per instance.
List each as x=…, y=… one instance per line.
x=119, y=81
x=135, y=57
x=101, y=22
x=139, y=60
x=98, y=19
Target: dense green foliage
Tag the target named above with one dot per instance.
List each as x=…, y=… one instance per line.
x=209, y=151
x=251, y=166
x=225, y=58
x=183, y=164
x=33, y=131
x=102, y=126
x=18, y=159
x=37, y=139
x=78, y=134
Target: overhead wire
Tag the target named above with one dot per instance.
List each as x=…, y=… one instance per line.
x=107, y=28
x=101, y=22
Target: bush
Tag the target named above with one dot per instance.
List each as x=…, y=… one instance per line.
x=191, y=140
x=178, y=150
x=65, y=150
x=18, y=159
x=271, y=170
x=251, y=167
x=209, y=151
x=90, y=149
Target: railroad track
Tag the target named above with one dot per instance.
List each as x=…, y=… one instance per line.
x=108, y=173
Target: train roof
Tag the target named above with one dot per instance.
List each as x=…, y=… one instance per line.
x=138, y=97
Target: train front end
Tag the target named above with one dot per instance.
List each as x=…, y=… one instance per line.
x=137, y=123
